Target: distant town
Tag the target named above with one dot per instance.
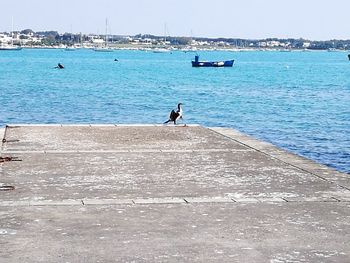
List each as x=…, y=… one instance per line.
x=52, y=39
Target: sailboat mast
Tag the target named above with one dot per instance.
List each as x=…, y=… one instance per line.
x=12, y=33
x=164, y=33
x=106, y=33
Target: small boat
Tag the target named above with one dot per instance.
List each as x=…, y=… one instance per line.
x=197, y=63
x=103, y=49
x=10, y=48
x=331, y=49
x=71, y=48
x=161, y=50
x=106, y=47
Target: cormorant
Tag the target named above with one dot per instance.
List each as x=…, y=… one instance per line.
x=175, y=115
x=60, y=66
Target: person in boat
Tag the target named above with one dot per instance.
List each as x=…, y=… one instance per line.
x=60, y=66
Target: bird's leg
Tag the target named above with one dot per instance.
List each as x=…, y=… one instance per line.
x=185, y=125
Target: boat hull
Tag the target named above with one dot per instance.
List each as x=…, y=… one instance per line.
x=103, y=50
x=227, y=63
x=10, y=48
x=70, y=49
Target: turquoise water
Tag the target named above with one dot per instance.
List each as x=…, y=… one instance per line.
x=299, y=101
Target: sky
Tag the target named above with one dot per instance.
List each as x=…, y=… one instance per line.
x=252, y=19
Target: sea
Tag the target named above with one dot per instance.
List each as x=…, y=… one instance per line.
x=299, y=101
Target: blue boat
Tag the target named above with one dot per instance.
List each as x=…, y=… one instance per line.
x=197, y=63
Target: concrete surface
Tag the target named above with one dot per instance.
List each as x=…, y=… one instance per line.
x=148, y=193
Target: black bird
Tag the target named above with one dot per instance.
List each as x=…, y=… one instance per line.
x=59, y=65
x=175, y=115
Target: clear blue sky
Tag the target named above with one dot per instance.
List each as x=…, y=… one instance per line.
x=311, y=19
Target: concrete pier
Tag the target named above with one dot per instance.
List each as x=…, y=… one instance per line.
x=148, y=193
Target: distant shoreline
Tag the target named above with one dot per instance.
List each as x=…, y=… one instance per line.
x=187, y=49
x=53, y=39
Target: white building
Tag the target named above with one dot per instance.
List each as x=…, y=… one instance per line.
x=5, y=38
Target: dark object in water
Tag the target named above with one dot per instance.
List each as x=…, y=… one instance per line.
x=349, y=56
x=60, y=66
x=5, y=159
x=175, y=115
x=197, y=63
x=8, y=159
x=7, y=188
x=115, y=59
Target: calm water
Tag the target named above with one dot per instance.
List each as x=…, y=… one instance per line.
x=299, y=101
